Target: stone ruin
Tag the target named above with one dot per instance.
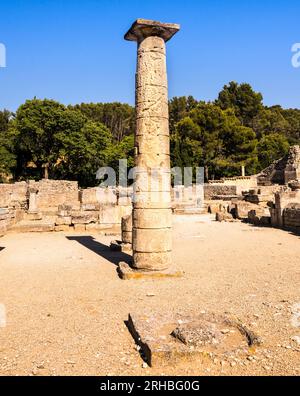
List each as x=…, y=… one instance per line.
x=272, y=200
x=59, y=205
x=282, y=171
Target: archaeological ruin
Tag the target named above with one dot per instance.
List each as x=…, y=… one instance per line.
x=153, y=269
x=270, y=198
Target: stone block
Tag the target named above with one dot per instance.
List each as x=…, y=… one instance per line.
x=224, y=216
x=152, y=200
x=167, y=338
x=126, y=223
x=63, y=228
x=152, y=261
x=85, y=217
x=64, y=210
x=33, y=216
x=79, y=227
x=63, y=220
x=152, y=218
x=128, y=273
x=90, y=207
x=110, y=214
x=32, y=226
x=151, y=240
x=119, y=246
x=153, y=160
x=152, y=126
x=127, y=237
x=152, y=180
x=98, y=227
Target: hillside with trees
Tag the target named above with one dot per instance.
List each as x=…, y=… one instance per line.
x=47, y=139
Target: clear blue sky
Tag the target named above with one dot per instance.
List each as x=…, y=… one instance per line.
x=73, y=51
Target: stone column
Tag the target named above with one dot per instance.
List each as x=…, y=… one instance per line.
x=152, y=214
x=32, y=200
x=243, y=172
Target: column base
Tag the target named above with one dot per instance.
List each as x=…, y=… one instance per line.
x=126, y=272
x=119, y=246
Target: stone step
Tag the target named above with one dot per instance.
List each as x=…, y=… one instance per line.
x=32, y=226
x=190, y=211
x=33, y=216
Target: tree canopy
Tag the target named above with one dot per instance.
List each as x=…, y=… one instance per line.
x=45, y=138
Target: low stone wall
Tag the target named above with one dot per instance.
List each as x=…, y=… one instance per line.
x=215, y=190
x=233, y=186
x=291, y=216
x=187, y=197
x=60, y=205
x=284, y=200
x=4, y=220
x=13, y=195
x=52, y=193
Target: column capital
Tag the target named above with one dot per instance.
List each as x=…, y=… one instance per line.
x=143, y=28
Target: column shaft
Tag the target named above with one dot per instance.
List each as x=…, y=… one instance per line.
x=152, y=216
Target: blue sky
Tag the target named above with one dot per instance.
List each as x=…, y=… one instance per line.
x=73, y=51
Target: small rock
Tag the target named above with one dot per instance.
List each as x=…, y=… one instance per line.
x=145, y=365
x=296, y=339
x=225, y=331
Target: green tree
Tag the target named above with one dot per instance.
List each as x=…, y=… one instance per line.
x=37, y=124
x=179, y=107
x=7, y=155
x=292, y=116
x=270, y=120
x=270, y=148
x=119, y=118
x=59, y=142
x=82, y=151
x=243, y=99
x=214, y=138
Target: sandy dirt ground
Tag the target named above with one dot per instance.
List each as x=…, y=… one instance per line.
x=66, y=306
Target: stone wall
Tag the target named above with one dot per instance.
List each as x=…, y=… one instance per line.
x=212, y=191
x=233, y=186
x=13, y=195
x=60, y=205
x=4, y=221
x=291, y=216
x=13, y=203
x=281, y=214
x=52, y=193
x=283, y=170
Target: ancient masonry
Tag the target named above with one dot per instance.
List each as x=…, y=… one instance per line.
x=152, y=213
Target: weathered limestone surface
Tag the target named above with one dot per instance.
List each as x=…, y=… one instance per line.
x=168, y=338
x=284, y=212
x=291, y=216
x=52, y=193
x=152, y=224
x=4, y=220
x=126, y=227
